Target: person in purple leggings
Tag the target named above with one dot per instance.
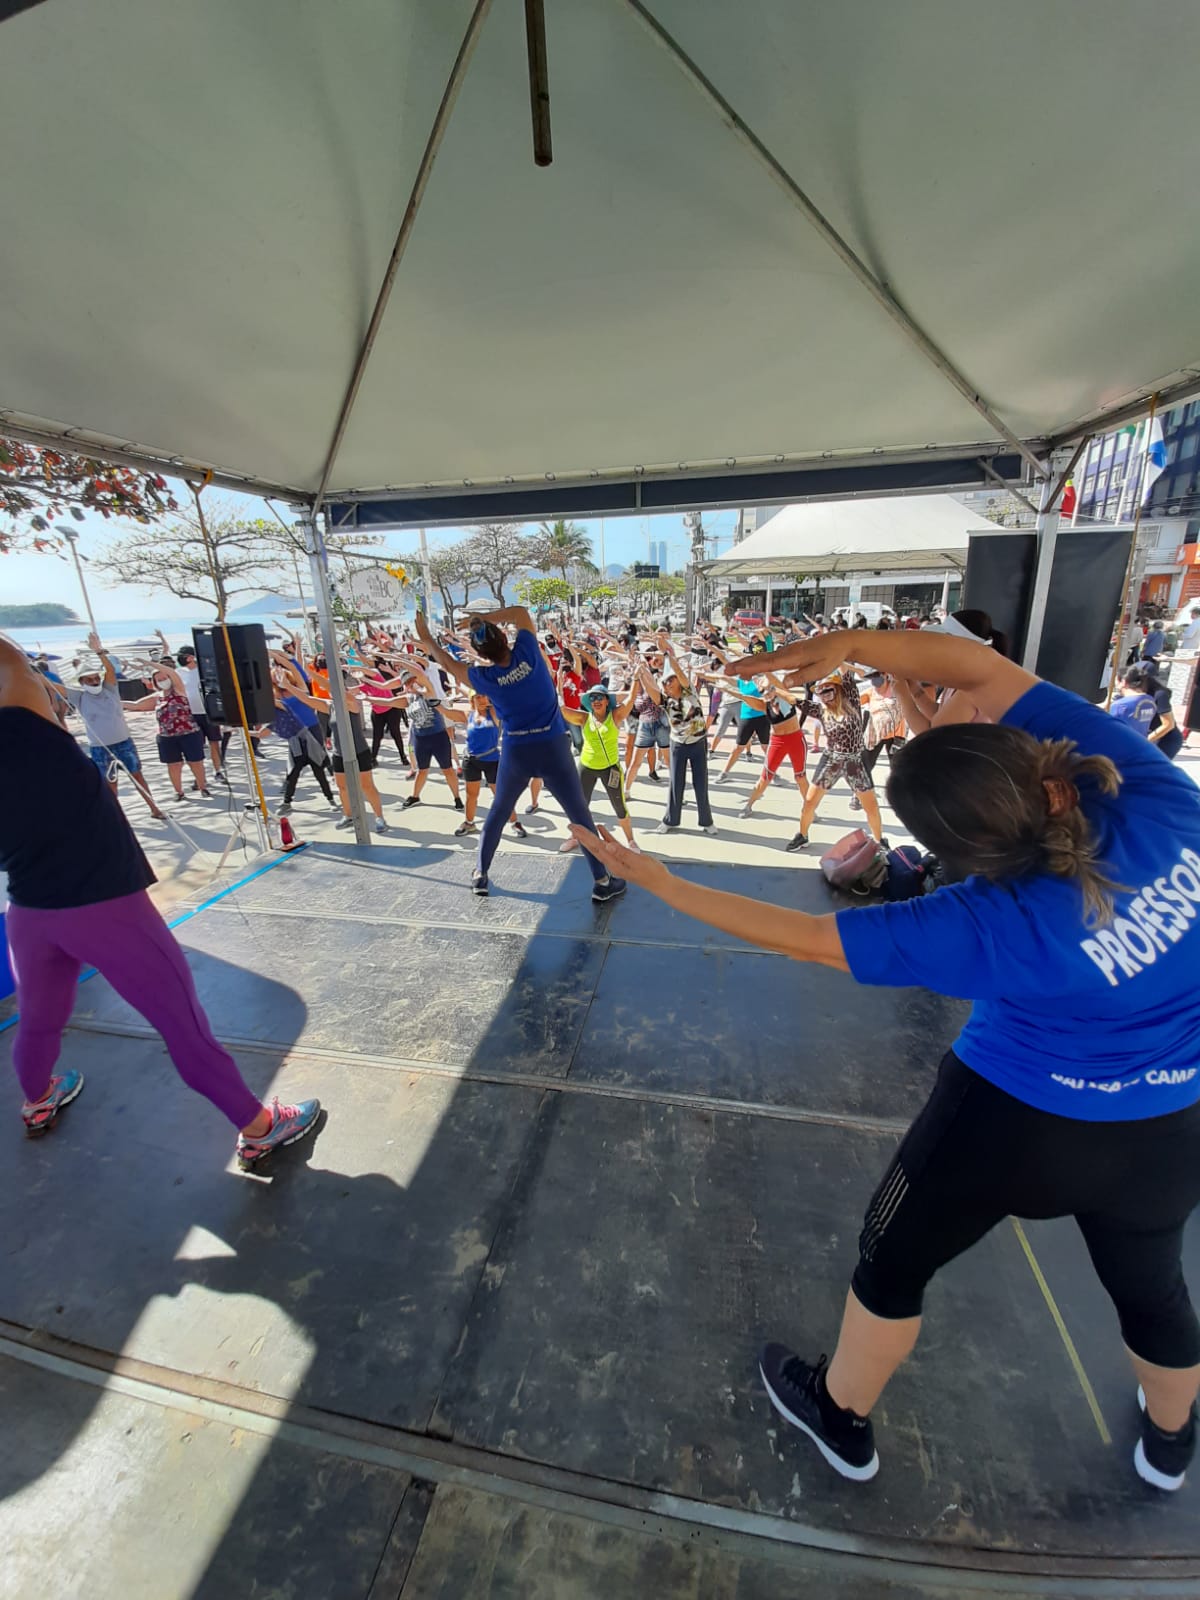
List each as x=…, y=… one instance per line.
x=77, y=881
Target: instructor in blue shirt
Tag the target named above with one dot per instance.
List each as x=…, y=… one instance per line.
x=1072, y=921
x=517, y=681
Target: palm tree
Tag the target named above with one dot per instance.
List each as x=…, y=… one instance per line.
x=563, y=546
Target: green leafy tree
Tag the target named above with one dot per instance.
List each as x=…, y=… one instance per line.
x=544, y=594
x=38, y=485
x=562, y=545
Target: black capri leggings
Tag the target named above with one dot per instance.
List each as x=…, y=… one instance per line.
x=758, y=727
x=976, y=1155
x=613, y=783
x=389, y=721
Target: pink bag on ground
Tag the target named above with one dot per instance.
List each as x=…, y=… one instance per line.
x=857, y=863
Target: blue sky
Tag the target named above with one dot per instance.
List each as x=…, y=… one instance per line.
x=26, y=577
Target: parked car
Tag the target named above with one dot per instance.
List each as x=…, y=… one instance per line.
x=743, y=620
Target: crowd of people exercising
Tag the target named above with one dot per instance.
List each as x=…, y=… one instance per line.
x=1066, y=910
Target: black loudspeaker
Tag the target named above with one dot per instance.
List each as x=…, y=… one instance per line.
x=1082, y=605
x=248, y=641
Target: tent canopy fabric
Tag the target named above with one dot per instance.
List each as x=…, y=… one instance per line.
x=829, y=538
x=203, y=197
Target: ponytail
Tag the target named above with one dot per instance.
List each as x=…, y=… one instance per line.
x=1067, y=844
x=997, y=802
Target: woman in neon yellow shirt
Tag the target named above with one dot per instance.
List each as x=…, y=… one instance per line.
x=600, y=759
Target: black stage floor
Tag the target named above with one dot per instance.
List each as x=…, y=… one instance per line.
x=494, y=1331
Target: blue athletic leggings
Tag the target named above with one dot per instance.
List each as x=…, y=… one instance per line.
x=552, y=761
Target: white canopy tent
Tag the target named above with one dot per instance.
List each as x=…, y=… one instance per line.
x=785, y=249
x=777, y=238
x=828, y=538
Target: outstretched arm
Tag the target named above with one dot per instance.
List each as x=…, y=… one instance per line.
x=789, y=933
x=435, y=652
x=992, y=682
x=20, y=685
x=517, y=615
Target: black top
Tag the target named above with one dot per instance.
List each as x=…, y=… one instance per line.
x=64, y=840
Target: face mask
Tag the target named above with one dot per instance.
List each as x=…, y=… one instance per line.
x=91, y=688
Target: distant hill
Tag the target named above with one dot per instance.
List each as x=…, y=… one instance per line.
x=44, y=614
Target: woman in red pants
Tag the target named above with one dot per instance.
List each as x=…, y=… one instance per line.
x=77, y=881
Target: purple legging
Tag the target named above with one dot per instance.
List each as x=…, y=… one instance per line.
x=129, y=944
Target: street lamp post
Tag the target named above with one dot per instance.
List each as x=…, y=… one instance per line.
x=72, y=539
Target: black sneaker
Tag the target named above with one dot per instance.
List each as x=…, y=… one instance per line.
x=653, y=775
x=479, y=883
x=797, y=1390
x=412, y=800
x=458, y=804
x=610, y=888
x=798, y=841
x=1162, y=1459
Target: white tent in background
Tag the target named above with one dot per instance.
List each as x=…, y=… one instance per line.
x=777, y=237
x=828, y=538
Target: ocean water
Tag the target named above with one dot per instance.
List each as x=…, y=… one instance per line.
x=70, y=637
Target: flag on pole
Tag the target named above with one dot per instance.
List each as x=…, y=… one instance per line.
x=1156, y=458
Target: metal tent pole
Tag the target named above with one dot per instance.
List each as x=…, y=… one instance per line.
x=1047, y=537
x=318, y=560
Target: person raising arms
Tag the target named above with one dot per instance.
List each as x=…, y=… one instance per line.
x=1071, y=922
x=839, y=712
x=600, y=761
x=77, y=881
x=519, y=686
x=689, y=742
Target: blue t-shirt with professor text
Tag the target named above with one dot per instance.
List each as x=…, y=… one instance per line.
x=522, y=692
x=1097, y=1023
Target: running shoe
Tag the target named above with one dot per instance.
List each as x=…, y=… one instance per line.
x=175, y=799
x=288, y=1125
x=652, y=774
x=746, y=811
x=664, y=827
x=381, y=826
x=344, y=822
x=610, y=888
x=712, y=828
x=531, y=809
x=465, y=827
x=40, y=1115
x=220, y=777
x=458, y=803
x=722, y=777
x=479, y=883
x=1161, y=1459
x=285, y=809
x=567, y=846
x=797, y=1390
x=519, y=829
x=798, y=841
x=412, y=800
x=206, y=794
x=855, y=803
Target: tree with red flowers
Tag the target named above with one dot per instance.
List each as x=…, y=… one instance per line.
x=37, y=485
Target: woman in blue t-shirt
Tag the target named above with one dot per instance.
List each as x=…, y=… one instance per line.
x=1072, y=849
x=518, y=684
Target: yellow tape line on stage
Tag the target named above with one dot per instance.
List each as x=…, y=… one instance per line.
x=1085, y=1383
